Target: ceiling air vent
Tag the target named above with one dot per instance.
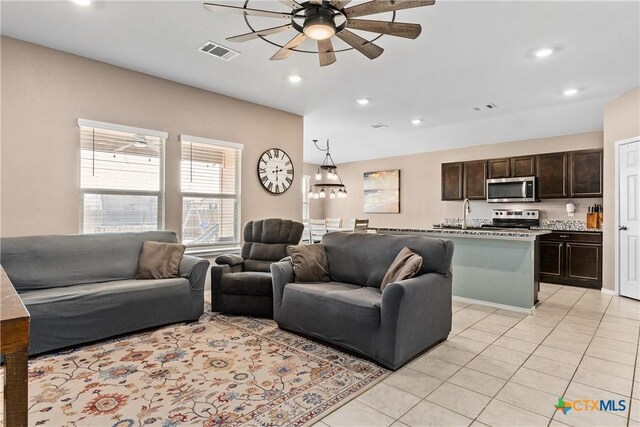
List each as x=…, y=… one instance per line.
x=379, y=125
x=490, y=106
x=219, y=51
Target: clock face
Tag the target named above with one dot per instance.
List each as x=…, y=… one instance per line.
x=275, y=170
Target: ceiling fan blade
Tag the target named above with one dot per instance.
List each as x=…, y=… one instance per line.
x=254, y=35
x=124, y=147
x=339, y=4
x=292, y=4
x=286, y=49
x=380, y=6
x=398, y=29
x=368, y=49
x=325, y=50
x=241, y=10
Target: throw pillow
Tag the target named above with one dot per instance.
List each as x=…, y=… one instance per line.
x=309, y=263
x=159, y=260
x=405, y=266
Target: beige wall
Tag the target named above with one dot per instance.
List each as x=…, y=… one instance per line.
x=621, y=121
x=316, y=207
x=45, y=91
x=420, y=203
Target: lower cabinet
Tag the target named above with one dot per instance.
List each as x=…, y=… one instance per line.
x=571, y=258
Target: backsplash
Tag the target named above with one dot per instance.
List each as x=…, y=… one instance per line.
x=545, y=224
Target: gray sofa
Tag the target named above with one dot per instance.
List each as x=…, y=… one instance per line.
x=82, y=288
x=350, y=311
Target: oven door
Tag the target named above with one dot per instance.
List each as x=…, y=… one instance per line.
x=511, y=190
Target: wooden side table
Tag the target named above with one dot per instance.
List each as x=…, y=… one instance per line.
x=14, y=345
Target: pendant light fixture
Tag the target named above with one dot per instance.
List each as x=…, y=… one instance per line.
x=328, y=182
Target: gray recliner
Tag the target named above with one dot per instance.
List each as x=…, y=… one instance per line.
x=241, y=284
x=350, y=311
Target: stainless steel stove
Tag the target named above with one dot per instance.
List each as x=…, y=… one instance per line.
x=514, y=218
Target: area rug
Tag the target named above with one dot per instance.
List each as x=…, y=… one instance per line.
x=219, y=371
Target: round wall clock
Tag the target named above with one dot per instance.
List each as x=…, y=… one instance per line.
x=275, y=171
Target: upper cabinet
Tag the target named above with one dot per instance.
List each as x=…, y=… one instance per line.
x=475, y=177
x=552, y=173
x=512, y=167
x=523, y=166
x=452, y=181
x=585, y=169
x=560, y=175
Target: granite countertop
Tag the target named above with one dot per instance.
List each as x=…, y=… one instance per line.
x=508, y=234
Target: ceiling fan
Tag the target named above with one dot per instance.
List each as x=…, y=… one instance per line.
x=139, y=141
x=322, y=19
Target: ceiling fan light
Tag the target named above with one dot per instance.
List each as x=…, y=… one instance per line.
x=319, y=27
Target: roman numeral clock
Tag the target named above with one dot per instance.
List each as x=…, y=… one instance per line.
x=275, y=171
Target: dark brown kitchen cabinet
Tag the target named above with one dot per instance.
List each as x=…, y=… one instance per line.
x=512, y=167
x=571, y=258
x=523, y=166
x=499, y=168
x=452, y=174
x=585, y=171
x=475, y=177
x=552, y=172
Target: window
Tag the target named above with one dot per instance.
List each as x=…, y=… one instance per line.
x=306, y=185
x=210, y=176
x=121, y=178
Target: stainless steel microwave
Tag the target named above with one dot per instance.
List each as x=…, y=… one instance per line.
x=512, y=190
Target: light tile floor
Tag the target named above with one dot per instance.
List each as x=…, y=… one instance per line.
x=500, y=368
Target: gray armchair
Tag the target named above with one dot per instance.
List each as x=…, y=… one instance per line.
x=350, y=311
x=241, y=284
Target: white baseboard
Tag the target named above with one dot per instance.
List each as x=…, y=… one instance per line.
x=608, y=291
x=494, y=305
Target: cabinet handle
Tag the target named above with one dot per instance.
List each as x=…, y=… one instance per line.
x=564, y=236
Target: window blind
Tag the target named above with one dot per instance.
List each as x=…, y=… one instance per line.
x=210, y=181
x=121, y=178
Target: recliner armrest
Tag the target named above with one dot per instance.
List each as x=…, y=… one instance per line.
x=229, y=259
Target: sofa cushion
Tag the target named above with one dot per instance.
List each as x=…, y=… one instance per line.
x=405, y=266
x=345, y=314
x=247, y=283
x=363, y=259
x=41, y=262
x=309, y=263
x=159, y=260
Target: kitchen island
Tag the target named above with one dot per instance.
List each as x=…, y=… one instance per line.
x=498, y=268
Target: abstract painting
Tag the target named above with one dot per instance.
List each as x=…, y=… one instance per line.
x=382, y=191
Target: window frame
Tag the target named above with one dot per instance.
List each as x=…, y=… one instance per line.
x=306, y=184
x=237, y=196
x=160, y=194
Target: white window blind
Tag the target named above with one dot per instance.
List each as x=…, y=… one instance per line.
x=210, y=175
x=121, y=178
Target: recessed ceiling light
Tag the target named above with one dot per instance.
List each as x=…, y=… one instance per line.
x=416, y=121
x=362, y=101
x=570, y=92
x=294, y=78
x=543, y=52
x=82, y=2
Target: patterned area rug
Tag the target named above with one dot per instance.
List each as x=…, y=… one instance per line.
x=219, y=371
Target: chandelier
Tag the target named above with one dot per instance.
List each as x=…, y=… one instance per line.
x=327, y=178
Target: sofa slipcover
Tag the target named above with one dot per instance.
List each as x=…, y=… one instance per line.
x=82, y=288
x=391, y=326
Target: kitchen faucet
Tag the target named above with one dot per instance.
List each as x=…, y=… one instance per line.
x=466, y=208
